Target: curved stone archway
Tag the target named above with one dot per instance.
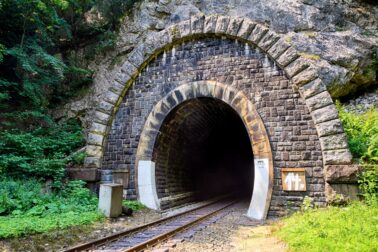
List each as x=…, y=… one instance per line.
x=263, y=171
x=302, y=72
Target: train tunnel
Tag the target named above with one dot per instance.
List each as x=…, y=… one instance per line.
x=203, y=150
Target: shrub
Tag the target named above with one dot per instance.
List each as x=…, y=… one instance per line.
x=362, y=133
x=368, y=181
x=133, y=204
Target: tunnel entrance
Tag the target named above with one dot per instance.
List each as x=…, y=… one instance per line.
x=203, y=150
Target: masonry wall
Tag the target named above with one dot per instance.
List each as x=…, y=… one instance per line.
x=292, y=133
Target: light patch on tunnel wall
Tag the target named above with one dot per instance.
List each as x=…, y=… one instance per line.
x=294, y=179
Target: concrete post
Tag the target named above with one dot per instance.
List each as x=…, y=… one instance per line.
x=110, y=202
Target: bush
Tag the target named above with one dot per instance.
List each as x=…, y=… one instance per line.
x=133, y=204
x=26, y=207
x=362, y=133
x=368, y=181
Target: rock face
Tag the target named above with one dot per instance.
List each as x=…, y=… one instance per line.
x=363, y=102
x=339, y=36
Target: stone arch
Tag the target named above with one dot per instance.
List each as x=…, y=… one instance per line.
x=263, y=179
x=302, y=72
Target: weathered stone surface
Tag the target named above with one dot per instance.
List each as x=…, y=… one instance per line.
x=111, y=97
x=313, y=88
x=101, y=117
x=342, y=173
x=210, y=24
x=92, y=162
x=128, y=69
x=234, y=26
x=222, y=24
x=319, y=101
x=197, y=24
x=246, y=29
x=305, y=76
x=330, y=128
x=325, y=114
x=95, y=139
x=287, y=57
x=296, y=66
x=333, y=142
x=89, y=175
x=185, y=28
x=268, y=40
x=278, y=48
x=342, y=156
x=94, y=150
x=105, y=107
x=257, y=33
x=98, y=128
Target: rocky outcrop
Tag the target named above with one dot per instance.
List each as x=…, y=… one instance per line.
x=363, y=102
x=338, y=36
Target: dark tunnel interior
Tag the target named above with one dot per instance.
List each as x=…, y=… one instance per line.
x=203, y=150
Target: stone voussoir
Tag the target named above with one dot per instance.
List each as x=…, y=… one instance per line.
x=246, y=29
x=297, y=66
x=98, y=128
x=197, y=24
x=334, y=157
x=318, y=101
x=312, y=88
x=324, y=114
x=257, y=33
x=342, y=173
x=111, y=97
x=305, y=76
x=222, y=25
x=185, y=28
x=129, y=69
x=136, y=57
x=330, y=128
x=101, y=117
x=333, y=142
x=105, y=107
x=95, y=139
x=287, y=57
x=269, y=39
x=210, y=24
x=92, y=162
x=234, y=26
x=94, y=150
x=278, y=48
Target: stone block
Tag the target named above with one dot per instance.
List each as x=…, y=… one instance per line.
x=111, y=97
x=246, y=29
x=129, y=69
x=268, y=40
x=110, y=200
x=86, y=174
x=94, y=150
x=210, y=24
x=342, y=156
x=197, y=24
x=278, y=48
x=136, y=57
x=257, y=33
x=95, y=139
x=105, y=107
x=333, y=142
x=304, y=77
x=296, y=66
x=234, y=26
x=92, y=162
x=319, y=101
x=330, y=128
x=325, y=114
x=185, y=28
x=222, y=24
x=342, y=173
x=287, y=57
x=174, y=32
x=101, y=117
x=312, y=88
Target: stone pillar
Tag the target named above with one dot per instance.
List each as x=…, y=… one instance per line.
x=110, y=199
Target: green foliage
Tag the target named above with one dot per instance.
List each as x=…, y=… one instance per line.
x=362, y=132
x=27, y=208
x=368, y=182
x=352, y=228
x=133, y=204
x=306, y=204
x=41, y=152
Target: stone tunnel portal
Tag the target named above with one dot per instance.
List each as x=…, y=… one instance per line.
x=203, y=150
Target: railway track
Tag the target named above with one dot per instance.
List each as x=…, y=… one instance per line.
x=148, y=235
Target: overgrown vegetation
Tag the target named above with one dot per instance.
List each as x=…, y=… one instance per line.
x=27, y=206
x=351, y=228
x=362, y=133
x=38, y=39
x=133, y=204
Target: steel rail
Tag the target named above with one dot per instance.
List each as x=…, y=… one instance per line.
x=167, y=235
x=113, y=237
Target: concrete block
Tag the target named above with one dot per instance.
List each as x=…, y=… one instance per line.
x=110, y=202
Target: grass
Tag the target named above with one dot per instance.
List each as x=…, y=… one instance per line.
x=17, y=226
x=133, y=204
x=351, y=228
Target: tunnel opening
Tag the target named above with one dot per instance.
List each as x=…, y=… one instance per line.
x=203, y=150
